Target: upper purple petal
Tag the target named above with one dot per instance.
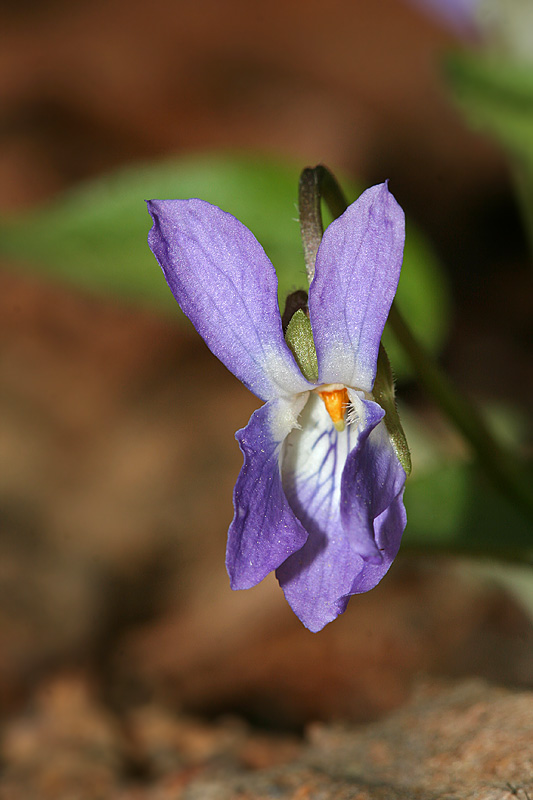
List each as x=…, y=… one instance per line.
x=354, y=527
x=356, y=275
x=317, y=578
x=264, y=531
x=225, y=283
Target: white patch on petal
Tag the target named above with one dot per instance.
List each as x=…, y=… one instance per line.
x=355, y=414
x=340, y=362
x=289, y=381
x=284, y=416
x=313, y=459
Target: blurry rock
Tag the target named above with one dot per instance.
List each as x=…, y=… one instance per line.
x=246, y=651
x=68, y=746
x=167, y=742
x=468, y=741
x=462, y=741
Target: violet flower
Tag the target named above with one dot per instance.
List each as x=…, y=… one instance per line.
x=458, y=14
x=504, y=26
x=319, y=498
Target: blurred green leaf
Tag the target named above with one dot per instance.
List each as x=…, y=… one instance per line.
x=453, y=509
x=496, y=95
x=423, y=298
x=95, y=236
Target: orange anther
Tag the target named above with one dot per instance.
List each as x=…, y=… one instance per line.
x=336, y=403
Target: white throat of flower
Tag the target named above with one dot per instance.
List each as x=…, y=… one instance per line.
x=337, y=402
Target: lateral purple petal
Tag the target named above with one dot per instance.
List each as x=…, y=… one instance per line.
x=357, y=271
x=388, y=530
x=371, y=502
x=224, y=282
x=264, y=531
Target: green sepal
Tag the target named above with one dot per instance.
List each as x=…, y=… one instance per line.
x=299, y=337
x=383, y=394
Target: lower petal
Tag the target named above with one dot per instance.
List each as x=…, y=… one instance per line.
x=346, y=490
x=264, y=531
x=317, y=578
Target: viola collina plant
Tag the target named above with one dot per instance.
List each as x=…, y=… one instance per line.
x=319, y=498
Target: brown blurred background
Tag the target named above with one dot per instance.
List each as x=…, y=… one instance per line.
x=115, y=482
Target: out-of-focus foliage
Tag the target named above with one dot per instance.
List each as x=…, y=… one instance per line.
x=454, y=508
x=96, y=236
x=496, y=95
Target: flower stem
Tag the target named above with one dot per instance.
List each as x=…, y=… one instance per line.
x=317, y=184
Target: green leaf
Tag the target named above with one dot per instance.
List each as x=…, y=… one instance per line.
x=452, y=509
x=95, y=236
x=496, y=95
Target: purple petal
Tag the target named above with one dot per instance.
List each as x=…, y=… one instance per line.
x=264, y=531
x=347, y=548
x=317, y=578
x=371, y=501
x=459, y=14
x=357, y=271
x=224, y=282
x=388, y=529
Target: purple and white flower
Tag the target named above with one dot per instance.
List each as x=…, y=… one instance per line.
x=319, y=498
